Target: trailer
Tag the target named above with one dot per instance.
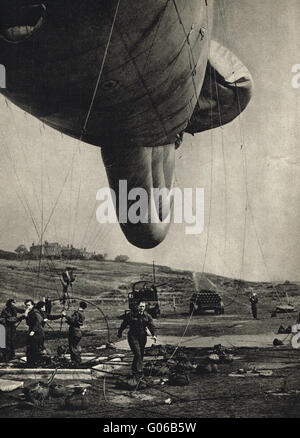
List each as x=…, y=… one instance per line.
x=206, y=300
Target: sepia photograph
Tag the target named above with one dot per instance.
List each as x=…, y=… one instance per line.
x=149, y=211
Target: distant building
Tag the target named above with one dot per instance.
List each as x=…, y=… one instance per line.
x=36, y=251
x=52, y=249
x=45, y=250
x=71, y=253
x=58, y=251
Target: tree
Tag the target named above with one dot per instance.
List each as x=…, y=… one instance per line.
x=21, y=250
x=99, y=257
x=121, y=258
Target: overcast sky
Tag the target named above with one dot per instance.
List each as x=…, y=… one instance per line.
x=265, y=34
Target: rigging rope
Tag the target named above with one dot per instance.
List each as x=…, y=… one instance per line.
x=243, y=148
x=224, y=165
x=101, y=71
x=155, y=35
x=193, y=65
x=24, y=203
x=210, y=202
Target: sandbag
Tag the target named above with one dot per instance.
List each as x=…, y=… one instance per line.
x=10, y=385
x=77, y=400
x=179, y=380
x=36, y=392
x=128, y=384
x=57, y=391
x=204, y=369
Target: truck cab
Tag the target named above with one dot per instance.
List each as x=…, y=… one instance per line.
x=144, y=291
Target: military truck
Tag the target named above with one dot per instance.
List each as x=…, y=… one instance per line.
x=206, y=300
x=145, y=291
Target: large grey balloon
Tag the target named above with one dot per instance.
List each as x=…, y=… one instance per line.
x=162, y=76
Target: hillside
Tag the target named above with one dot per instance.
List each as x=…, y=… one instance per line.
x=110, y=280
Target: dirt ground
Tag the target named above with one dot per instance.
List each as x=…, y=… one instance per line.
x=213, y=395
x=208, y=395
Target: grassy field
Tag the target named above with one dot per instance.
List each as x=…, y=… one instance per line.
x=106, y=285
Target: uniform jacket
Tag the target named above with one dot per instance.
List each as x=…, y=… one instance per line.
x=35, y=321
x=46, y=315
x=253, y=301
x=9, y=316
x=76, y=320
x=68, y=277
x=137, y=323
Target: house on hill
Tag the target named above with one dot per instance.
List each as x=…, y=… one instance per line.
x=45, y=250
x=56, y=250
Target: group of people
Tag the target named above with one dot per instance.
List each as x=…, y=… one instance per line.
x=36, y=318
x=140, y=324
x=37, y=315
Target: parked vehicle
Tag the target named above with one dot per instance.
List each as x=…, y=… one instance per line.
x=206, y=300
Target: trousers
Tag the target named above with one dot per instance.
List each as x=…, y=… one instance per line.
x=35, y=345
x=254, y=311
x=137, y=343
x=10, y=337
x=75, y=336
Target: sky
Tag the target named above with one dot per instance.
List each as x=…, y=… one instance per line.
x=260, y=242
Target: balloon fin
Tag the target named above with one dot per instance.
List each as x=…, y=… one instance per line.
x=226, y=91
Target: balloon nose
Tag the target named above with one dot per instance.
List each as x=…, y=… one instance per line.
x=141, y=178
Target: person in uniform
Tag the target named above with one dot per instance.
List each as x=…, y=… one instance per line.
x=41, y=307
x=9, y=317
x=75, y=334
x=138, y=322
x=35, y=335
x=254, y=301
x=48, y=305
x=67, y=280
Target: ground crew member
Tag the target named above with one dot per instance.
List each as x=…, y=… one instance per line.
x=138, y=321
x=9, y=317
x=48, y=305
x=67, y=279
x=254, y=301
x=35, y=335
x=75, y=334
x=41, y=307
